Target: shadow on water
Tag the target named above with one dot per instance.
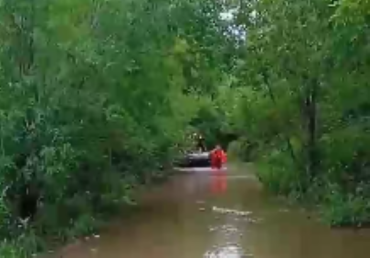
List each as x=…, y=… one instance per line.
x=223, y=214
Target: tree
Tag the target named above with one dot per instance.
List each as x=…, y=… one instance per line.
x=304, y=71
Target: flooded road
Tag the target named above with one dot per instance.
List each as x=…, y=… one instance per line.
x=218, y=215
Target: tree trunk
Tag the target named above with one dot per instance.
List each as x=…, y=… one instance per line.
x=311, y=118
x=283, y=135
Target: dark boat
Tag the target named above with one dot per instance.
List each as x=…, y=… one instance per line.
x=201, y=159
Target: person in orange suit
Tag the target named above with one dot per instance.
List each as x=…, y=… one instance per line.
x=218, y=157
x=218, y=180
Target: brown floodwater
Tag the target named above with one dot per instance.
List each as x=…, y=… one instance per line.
x=204, y=214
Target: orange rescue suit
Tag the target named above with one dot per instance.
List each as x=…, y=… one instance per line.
x=218, y=158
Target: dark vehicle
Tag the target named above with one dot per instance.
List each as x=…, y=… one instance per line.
x=201, y=159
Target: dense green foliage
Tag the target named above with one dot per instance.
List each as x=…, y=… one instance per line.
x=97, y=97
x=305, y=103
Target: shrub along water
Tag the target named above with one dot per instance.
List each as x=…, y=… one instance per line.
x=304, y=104
x=95, y=99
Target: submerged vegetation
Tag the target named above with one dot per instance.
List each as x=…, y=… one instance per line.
x=97, y=97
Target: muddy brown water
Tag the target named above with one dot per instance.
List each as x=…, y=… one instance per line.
x=203, y=214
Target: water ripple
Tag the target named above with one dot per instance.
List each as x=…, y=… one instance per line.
x=228, y=251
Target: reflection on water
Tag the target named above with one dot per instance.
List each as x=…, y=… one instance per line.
x=218, y=182
x=222, y=214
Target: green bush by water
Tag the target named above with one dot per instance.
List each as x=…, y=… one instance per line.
x=96, y=100
x=303, y=99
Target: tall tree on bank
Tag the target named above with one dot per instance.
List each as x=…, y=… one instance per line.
x=304, y=79
x=96, y=97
